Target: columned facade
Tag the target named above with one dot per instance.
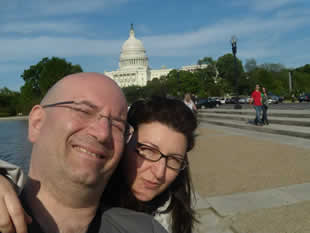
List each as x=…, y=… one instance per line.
x=134, y=67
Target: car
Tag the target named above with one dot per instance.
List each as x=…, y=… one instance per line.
x=223, y=100
x=232, y=100
x=243, y=100
x=207, y=103
x=305, y=97
x=273, y=99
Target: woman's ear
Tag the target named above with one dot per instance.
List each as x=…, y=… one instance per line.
x=35, y=122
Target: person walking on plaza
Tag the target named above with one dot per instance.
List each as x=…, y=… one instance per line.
x=189, y=102
x=256, y=100
x=265, y=106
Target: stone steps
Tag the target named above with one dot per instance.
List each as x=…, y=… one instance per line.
x=282, y=122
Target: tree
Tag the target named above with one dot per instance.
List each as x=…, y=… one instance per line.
x=206, y=60
x=8, y=102
x=301, y=79
x=304, y=69
x=226, y=69
x=155, y=87
x=133, y=93
x=40, y=77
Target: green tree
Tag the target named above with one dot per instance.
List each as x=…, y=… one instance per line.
x=133, y=93
x=304, y=69
x=206, y=60
x=8, y=102
x=301, y=80
x=40, y=77
x=156, y=87
x=226, y=69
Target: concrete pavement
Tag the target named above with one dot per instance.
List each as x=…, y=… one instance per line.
x=248, y=181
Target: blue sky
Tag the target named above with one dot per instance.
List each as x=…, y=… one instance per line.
x=174, y=32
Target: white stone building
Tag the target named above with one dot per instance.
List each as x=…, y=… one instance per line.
x=134, y=67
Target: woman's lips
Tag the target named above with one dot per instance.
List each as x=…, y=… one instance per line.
x=150, y=185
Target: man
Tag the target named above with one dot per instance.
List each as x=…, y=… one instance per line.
x=78, y=133
x=256, y=100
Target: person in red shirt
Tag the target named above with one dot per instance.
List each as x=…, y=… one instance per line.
x=256, y=100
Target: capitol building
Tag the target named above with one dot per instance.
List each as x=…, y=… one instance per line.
x=134, y=66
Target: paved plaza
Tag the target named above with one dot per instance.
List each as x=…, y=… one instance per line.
x=250, y=182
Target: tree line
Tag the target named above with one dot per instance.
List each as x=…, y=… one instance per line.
x=224, y=77
x=38, y=79
x=221, y=77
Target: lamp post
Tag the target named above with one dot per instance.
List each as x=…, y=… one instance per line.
x=178, y=79
x=233, y=42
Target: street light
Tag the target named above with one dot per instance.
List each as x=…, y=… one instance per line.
x=233, y=42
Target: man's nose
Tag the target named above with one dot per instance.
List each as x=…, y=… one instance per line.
x=101, y=129
x=159, y=168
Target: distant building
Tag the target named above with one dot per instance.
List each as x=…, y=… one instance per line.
x=134, y=66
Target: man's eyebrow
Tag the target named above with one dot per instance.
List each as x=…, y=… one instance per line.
x=89, y=104
x=96, y=108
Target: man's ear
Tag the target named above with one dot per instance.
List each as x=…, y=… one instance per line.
x=35, y=122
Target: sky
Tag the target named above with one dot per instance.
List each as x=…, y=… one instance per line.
x=174, y=32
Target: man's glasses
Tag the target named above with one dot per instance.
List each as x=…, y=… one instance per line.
x=86, y=112
x=174, y=162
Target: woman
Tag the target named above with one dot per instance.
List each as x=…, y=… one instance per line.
x=189, y=102
x=265, y=106
x=153, y=176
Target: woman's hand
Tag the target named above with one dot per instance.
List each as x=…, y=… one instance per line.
x=13, y=217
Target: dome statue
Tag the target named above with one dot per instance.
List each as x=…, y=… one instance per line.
x=133, y=53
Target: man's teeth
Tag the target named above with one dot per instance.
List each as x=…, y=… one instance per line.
x=88, y=152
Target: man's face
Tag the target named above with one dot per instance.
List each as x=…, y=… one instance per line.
x=257, y=87
x=77, y=142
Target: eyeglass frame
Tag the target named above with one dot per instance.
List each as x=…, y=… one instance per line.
x=184, y=162
x=129, y=130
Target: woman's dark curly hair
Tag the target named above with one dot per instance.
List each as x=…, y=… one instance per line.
x=177, y=116
x=170, y=112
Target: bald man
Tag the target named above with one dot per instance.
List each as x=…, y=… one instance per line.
x=78, y=133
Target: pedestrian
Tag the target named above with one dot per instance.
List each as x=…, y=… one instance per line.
x=78, y=134
x=265, y=106
x=256, y=100
x=153, y=175
x=189, y=102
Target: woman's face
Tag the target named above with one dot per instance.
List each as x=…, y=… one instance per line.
x=148, y=179
x=187, y=97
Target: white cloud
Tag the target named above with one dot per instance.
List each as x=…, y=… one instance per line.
x=221, y=33
x=39, y=27
x=267, y=5
x=258, y=37
x=55, y=7
x=49, y=46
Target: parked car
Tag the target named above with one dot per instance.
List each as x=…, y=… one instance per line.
x=232, y=100
x=207, y=103
x=217, y=101
x=273, y=99
x=243, y=100
x=223, y=100
x=305, y=97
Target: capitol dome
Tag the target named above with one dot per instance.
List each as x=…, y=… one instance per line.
x=133, y=54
